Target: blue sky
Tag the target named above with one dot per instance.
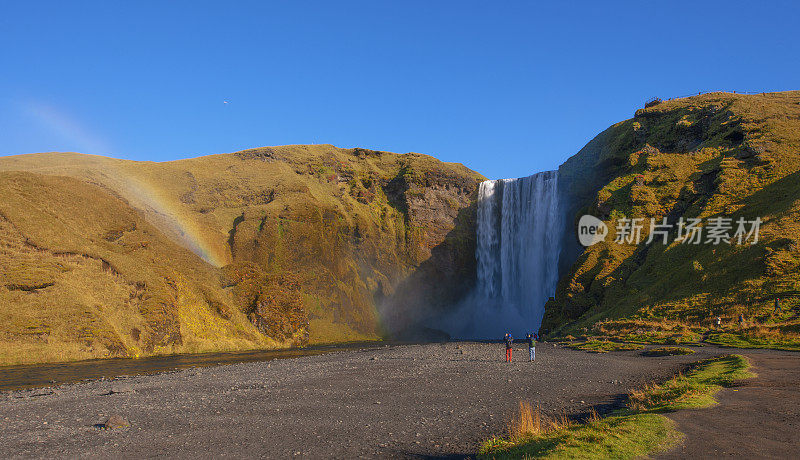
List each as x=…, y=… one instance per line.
x=508, y=88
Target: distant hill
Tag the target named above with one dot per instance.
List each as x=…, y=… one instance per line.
x=260, y=248
x=714, y=155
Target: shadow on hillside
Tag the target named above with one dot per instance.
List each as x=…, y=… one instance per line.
x=776, y=198
x=438, y=283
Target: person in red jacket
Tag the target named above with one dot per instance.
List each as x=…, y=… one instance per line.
x=509, y=343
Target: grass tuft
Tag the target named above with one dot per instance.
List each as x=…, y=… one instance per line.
x=529, y=421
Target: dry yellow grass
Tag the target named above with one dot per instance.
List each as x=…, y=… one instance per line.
x=529, y=422
x=103, y=257
x=84, y=276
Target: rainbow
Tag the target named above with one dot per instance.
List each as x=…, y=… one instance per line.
x=161, y=209
x=166, y=212
x=66, y=127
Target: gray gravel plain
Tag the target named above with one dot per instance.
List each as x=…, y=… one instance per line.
x=410, y=401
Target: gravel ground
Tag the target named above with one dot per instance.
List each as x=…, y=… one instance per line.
x=434, y=400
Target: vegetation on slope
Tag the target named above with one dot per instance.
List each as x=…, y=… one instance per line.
x=296, y=244
x=82, y=275
x=668, y=351
x=635, y=431
x=604, y=346
x=715, y=155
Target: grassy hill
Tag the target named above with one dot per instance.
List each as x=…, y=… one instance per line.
x=714, y=155
x=260, y=248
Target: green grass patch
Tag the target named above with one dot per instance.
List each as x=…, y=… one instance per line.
x=695, y=389
x=604, y=346
x=636, y=431
x=741, y=340
x=668, y=351
x=612, y=437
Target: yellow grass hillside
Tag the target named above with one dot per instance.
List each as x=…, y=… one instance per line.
x=266, y=247
x=82, y=275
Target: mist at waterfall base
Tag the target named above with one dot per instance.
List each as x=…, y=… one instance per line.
x=518, y=244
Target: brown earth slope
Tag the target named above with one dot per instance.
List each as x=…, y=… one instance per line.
x=260, y=248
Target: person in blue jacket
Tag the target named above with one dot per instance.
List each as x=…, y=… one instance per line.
x=532, y=338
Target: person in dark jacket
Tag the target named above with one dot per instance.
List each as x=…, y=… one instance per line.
x=509, y=343
x=532, y=338
x=777, y=306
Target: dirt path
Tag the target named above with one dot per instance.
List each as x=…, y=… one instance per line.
x=758, y=418
x=406, y=401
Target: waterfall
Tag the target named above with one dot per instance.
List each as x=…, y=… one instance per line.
x=519, y=237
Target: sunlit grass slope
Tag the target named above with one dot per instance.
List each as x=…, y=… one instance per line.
x=715, y=155
x=264, y=247
x=83, y=275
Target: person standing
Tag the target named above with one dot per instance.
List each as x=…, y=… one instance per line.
x=777, y=309
x=532, y=345
x=509, y=344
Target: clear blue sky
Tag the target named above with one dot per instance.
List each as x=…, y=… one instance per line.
x=508, y=88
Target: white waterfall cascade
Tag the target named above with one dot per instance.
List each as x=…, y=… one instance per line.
x=519, y=237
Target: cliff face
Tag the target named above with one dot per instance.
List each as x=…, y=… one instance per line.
x=376, y=241
x=710, y=156
x=261, y=248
